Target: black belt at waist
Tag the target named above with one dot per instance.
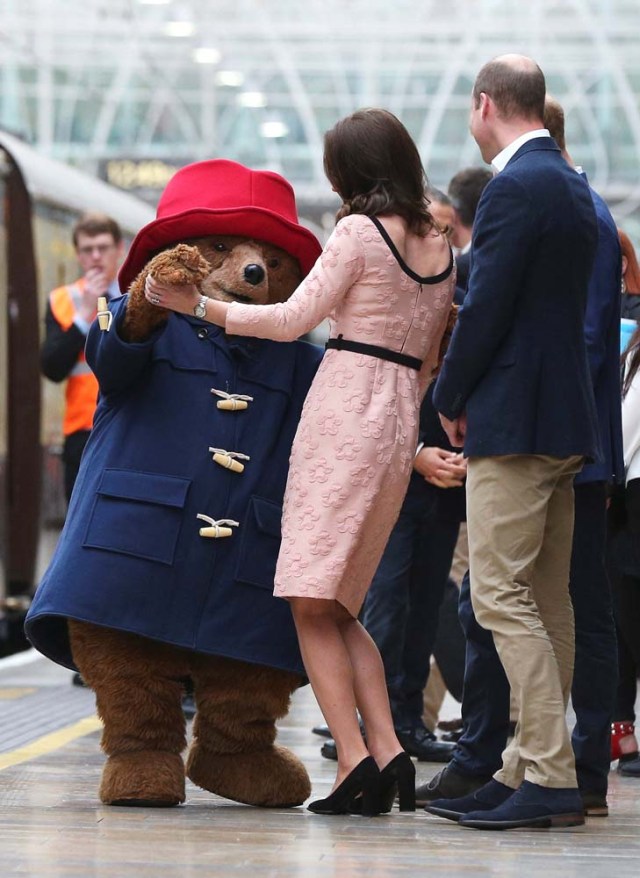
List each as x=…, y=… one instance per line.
x=373, y=350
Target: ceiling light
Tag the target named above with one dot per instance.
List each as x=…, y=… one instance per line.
x=179, y=28
x=252, y=99
x=231, y=78
x=206, y=55
x=274, y=129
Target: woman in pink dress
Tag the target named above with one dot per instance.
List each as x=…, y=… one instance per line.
x=385, y=280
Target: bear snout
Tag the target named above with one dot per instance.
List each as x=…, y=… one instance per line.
x=254, y=274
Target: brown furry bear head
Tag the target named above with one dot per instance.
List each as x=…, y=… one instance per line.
x=224, y=267
x=248, y=271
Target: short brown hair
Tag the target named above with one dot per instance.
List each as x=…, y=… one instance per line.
x=465, y=189
x=516, y=91
x=554, y=120
x=375, y=167
x=93, y=224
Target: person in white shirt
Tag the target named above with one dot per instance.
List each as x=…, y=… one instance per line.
x=626, y=573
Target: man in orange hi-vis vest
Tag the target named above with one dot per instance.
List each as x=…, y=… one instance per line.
x=70, y=311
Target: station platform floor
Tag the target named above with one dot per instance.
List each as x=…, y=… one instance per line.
x=53, y=826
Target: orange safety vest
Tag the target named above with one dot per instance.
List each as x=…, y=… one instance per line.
x=81, y=393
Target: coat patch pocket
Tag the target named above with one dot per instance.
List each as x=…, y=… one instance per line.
x=137, y=514
x=261, y=535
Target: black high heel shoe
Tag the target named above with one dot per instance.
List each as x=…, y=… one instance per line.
x=363, y=784
x=398, y=777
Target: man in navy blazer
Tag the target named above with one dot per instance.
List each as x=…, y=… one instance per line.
x=515, y=389
x=485, y=707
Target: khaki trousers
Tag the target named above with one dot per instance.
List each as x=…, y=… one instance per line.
x=520, y=526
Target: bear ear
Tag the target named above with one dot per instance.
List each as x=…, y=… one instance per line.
x=284, y=279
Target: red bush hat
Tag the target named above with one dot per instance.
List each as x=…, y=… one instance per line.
x=220, y=197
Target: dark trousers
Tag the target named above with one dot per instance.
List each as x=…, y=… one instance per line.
x=401, y=609
x=485, y=704
x=71, y=455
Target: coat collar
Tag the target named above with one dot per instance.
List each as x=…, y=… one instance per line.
x=539, y=143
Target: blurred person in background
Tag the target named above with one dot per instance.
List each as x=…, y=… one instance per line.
x=465, y=189
x=441, y=209
x=70, y=311
x=625, y=566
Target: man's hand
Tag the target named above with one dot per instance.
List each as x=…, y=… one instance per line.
x=456, y=430
x=96, y=285
x=442, y=468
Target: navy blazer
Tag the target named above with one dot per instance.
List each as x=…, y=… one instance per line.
x=602, y=334
x=517, y=361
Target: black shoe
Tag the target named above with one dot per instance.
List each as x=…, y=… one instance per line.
x=364, y=782
x=329, y=750
x=325, y=731
x=594, y=804
x=451, y=737
x=424, y=745
x=449, y=783
x=397, y=778
x=629, y=767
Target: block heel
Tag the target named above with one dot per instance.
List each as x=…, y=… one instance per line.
x=398, y=777
x=359, y=792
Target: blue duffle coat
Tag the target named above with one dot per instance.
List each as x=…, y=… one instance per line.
x=130, y=555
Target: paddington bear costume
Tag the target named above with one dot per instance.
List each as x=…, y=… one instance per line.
x=140, y=593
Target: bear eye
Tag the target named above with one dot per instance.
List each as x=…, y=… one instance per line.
x=273, y=263
x=220, y=247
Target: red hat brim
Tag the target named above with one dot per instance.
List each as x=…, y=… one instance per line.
x=248, y=222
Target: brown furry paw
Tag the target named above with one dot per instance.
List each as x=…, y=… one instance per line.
x=270, y=778
x=145, y=778
x=180, y=265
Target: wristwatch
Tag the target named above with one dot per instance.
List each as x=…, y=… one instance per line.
x=200, y=310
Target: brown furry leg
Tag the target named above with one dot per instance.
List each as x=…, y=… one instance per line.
x=233, y=752
x=139, y=699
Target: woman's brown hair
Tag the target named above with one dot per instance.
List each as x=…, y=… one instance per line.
x=374, y=166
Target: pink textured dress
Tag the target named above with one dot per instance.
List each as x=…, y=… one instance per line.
x=353, y=453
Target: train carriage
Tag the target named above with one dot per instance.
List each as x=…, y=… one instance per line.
x=41, y=199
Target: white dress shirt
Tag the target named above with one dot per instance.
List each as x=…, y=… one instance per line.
x=500, y=161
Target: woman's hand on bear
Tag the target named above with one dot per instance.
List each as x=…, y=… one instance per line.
x=175, y=297
x=183, y=298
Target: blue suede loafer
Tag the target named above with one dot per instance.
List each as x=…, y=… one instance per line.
x=486, y=798
x=531, y=806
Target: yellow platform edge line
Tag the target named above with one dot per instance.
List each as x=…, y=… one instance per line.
x=49, y=743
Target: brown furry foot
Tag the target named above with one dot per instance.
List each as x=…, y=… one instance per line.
x=271, y=778
x=145, y=778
